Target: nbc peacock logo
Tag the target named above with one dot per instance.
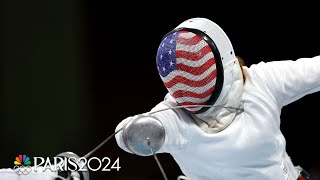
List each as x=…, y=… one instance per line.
x=22, y=164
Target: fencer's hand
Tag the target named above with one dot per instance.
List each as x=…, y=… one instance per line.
x=143, y=135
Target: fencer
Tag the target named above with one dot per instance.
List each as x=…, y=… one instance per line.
x=229, y=127
x=220, y=120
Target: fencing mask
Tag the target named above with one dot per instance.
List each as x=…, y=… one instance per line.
x=198, y=66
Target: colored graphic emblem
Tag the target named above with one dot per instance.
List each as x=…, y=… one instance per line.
x=22, y=163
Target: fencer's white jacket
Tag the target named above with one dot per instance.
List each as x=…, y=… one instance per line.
x=252, y=147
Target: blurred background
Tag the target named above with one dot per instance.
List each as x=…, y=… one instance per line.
x=72, y=70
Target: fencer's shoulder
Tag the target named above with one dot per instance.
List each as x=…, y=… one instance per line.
x=255, y=72
x=256, y=69
x=257, y=78
x=260, y=72
x=257, y=85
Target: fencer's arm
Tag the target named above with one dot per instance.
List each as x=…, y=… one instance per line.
x=290, y=80
x=174, y=124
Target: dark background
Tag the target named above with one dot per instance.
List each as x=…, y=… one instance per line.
x=72, y=70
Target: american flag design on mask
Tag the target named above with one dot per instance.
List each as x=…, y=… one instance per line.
x=187, y=67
